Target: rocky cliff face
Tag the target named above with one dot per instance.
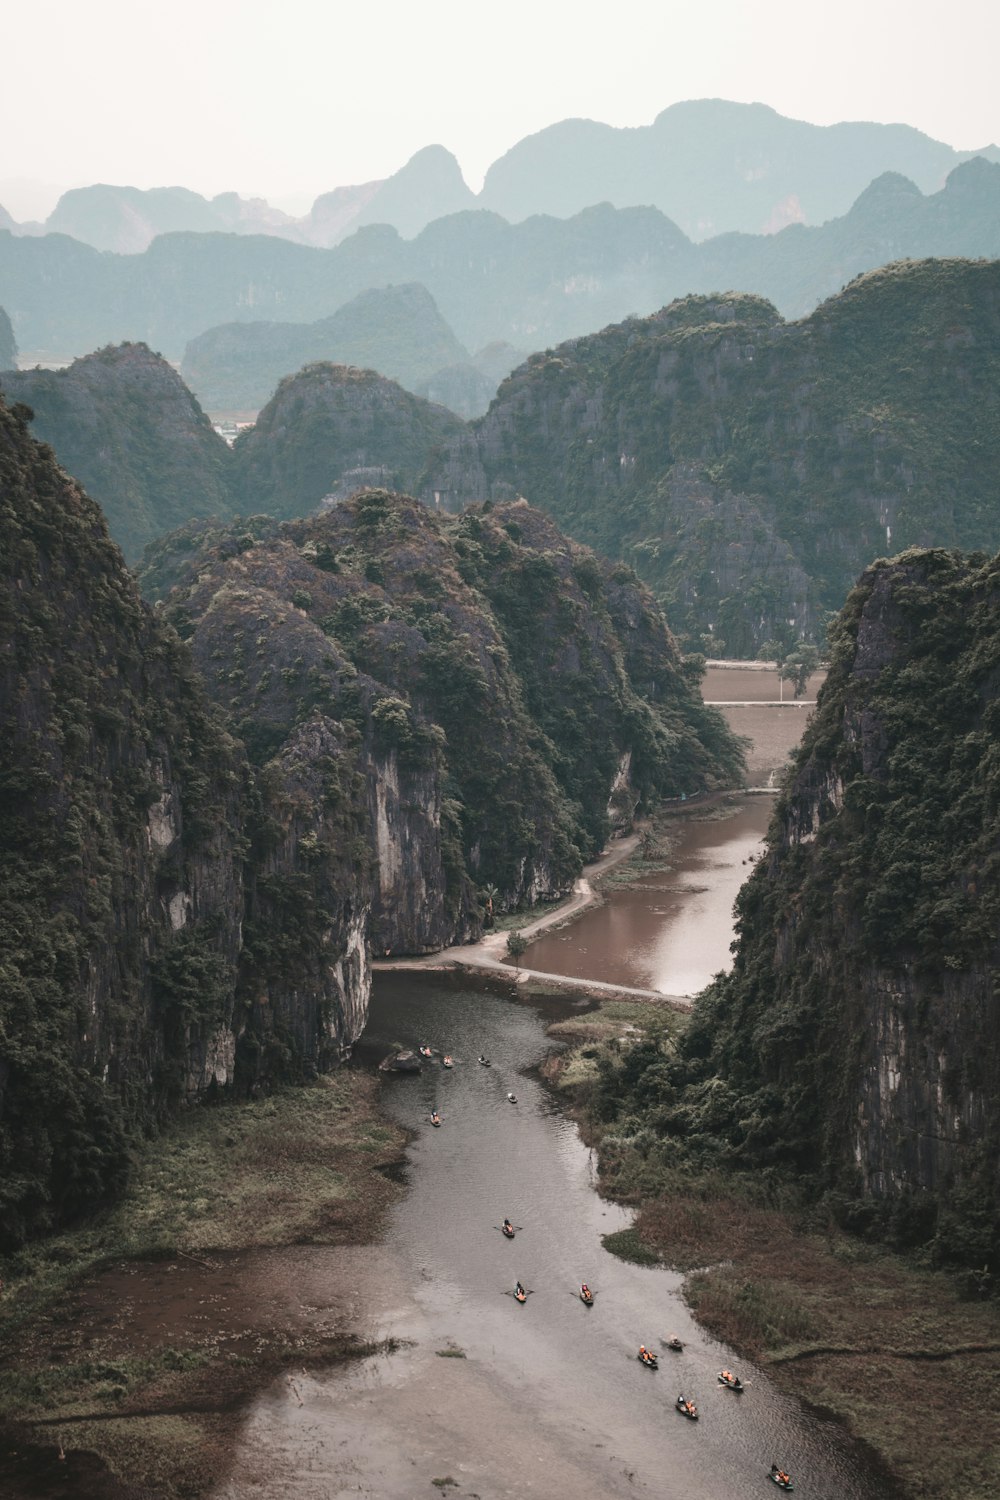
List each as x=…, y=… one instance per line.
x=494, y=679
x=123, y=422
x=751, y=468
x=857, y=1034
x=169, y=924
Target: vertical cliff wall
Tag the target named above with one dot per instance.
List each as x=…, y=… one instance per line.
x=857, y=1036
x=168, y=923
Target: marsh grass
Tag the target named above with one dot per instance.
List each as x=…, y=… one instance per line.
x=305, y=1166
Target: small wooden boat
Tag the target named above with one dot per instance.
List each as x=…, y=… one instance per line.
x=447, y=1061
x=484, y=1062
x=507, y=1228
x=687, y=1409
x=674, y=1343
x=586, y=1296
x=435, y=1118
x=731, y=1382
x=426, y=1051
x=520, y=1295
x=780, y=1478
x=648, y=1358
x=511, y=1098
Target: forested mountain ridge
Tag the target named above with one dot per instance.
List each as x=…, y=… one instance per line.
x=180, y=913
x=124, y=423
x=531, y=677
x=530, y=284
x=712, y=165
x=397, y=331
x=751, y=468
x=855, y=1042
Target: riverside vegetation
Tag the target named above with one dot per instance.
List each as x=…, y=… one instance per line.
x=192, y=888
x=817, y=1145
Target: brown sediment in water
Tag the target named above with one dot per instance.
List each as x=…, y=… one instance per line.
x=139, y=1369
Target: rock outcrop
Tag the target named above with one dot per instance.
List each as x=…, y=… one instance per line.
x=493, y=677
x=8, y=344
x=331, y=430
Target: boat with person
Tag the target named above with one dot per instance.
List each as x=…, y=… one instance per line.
x=731, y=1382
x=507, y=1228
x=586, y=1295
x=520, y=1294
x=435, y=1117
x=483, y=1061
x=447, y=1061
x=687, y=1408
x=647, y=1357
x=426, y=1051
x=781, y=1479
x=674, y=1343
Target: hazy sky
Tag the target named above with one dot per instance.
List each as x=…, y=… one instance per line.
x=289, y=98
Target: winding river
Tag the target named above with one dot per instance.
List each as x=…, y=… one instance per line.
x=488, y=1398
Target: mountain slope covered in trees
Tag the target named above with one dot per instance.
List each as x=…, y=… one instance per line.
x=751, y=468
x=855, y=1042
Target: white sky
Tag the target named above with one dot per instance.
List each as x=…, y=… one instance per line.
x=288, y=98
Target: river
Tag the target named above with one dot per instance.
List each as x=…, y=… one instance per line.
x=488, y=1398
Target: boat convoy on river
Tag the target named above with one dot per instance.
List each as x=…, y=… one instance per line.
x=407, y=1061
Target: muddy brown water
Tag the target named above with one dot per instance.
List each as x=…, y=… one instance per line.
x=488, y=1398
x=671, y=930
x=550, y=1397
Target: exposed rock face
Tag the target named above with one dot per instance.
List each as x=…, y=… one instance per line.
x=495, y=679
x=125, y=424
x=329, y=430
x=167, y=924
x=751, y=468
x=857, y=1034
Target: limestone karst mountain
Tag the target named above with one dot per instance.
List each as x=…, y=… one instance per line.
x=531, y=284
x=751, y=468
x=396, y=330
x=123, y=422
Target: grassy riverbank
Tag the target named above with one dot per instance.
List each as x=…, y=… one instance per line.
x=881, y=1341
x=130, y=1343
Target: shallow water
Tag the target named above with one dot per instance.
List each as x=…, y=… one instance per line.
x=671, y=931
x=573, y=1368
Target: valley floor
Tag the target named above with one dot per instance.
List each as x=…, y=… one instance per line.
x=885, y=1345
x=131, y=1345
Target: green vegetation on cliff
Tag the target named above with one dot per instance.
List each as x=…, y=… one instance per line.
x=125, y=425
x=540, y=683
x=330, y=430
x=749, y=468
x=853, y=1049
x=116, y=793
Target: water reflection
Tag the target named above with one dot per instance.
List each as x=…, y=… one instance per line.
x=670, y=932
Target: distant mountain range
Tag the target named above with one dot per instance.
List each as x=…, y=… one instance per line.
x=710, y=165
x=531, y=285
x=395, y=330
x=748, y=468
